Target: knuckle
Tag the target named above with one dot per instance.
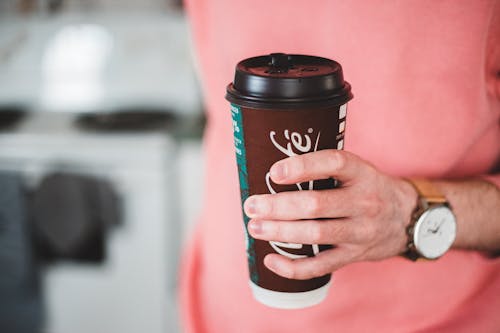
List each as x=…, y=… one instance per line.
x=303, y=269
x=291, y=273
x=305, y=273
x=358, y=254
x=337, y=159
x=314, y=204
x=270, y=205
x=371, y=170
x=275, y=231
x=297, y=166
x=342, y=231
x=321, y=270
x=284, y=232
x=368, y=232
x=312, y=274
x=316, y=233
x=372, y=206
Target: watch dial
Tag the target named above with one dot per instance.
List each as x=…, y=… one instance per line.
x=435, y=232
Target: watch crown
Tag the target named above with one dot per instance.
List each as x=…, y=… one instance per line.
x=410, y=231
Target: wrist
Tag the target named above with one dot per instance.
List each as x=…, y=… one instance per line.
x=407, y=203
x=433, y=226
x=410, y=202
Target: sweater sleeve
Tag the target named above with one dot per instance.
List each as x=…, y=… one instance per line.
x=494, y=179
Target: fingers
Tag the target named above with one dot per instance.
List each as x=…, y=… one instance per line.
x=302, y=269
x=298, y=205
x=362, y=217
x=322, y=164
x=309, y=231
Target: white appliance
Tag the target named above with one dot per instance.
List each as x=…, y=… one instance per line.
x=134, y=289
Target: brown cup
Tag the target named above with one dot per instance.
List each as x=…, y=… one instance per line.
x=284, y=105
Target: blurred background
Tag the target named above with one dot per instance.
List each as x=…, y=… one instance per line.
x=100, y=163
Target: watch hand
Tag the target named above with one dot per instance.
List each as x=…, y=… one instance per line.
x=433, y=230
x=437, y=227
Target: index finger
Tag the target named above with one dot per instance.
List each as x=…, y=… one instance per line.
x=323, y=164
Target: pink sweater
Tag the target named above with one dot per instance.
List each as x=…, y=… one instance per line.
x=427, y=103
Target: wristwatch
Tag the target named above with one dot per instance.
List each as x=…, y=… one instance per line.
x=433, y=225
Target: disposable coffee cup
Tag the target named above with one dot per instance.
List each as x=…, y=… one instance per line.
x=284, y=105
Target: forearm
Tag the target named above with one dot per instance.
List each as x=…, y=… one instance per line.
x=476, y=204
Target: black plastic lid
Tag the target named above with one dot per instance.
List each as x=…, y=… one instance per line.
x=288, y=81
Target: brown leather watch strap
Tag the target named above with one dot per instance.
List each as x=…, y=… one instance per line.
x=428, y=191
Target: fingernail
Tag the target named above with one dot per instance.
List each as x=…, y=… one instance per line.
x=255, y=228
x=279, y=171
x=271, y=263
x=254, y=207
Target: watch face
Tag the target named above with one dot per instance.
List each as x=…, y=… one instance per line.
x=435, y=231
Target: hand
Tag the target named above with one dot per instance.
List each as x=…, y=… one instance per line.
x=365, y=218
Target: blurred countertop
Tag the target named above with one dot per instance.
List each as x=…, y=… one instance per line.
x=98, y=62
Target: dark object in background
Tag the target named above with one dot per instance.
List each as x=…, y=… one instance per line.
x=133, y=119
x=55, y=6
x=10, y=115
x=71, y=215
x=21, y=308
x=30, y=6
